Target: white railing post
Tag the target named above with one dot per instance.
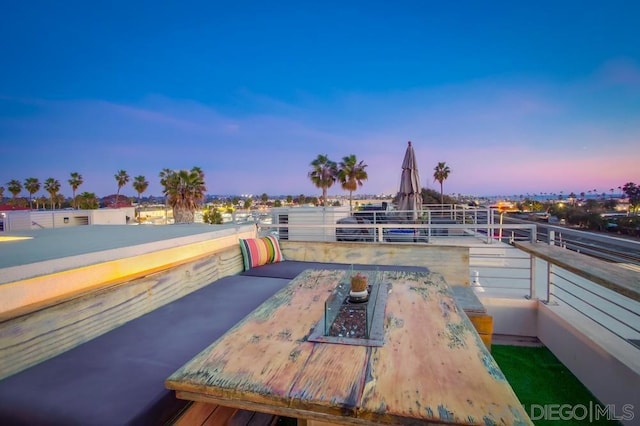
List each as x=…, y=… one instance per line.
x=532, y=279
x=548, y=301
x=475, y=221
x=551, y=237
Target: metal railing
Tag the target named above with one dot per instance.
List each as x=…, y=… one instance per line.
x=605, y=246
x=615, y=312
x=399, y=232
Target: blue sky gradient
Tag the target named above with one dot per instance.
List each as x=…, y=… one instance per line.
x=516, y=97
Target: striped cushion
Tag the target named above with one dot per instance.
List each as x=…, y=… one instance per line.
x=260, y=251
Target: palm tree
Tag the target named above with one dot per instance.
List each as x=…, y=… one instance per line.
x=15, y=187
x=75, y=181
x=164, y=175
x=441, y=173
x=60, y=200
x=140, y=184
x=122, y=177
x=87, y=200
x=323, y=174
x=632, y=191
x=52, y=186
x=32, y=185
x=351, y=174
x=184, y=190
x=41, y=200
x=1, y=194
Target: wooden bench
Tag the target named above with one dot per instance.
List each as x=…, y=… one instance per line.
x=201, y=413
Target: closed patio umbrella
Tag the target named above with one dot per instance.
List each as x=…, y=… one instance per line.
x=410, y=196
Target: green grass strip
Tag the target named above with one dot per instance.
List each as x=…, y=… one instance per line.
x=539, y=379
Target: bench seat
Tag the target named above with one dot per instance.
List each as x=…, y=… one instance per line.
x=118, y=377
x=289, y=269
x=476, y=312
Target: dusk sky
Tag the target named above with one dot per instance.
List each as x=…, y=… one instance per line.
x=516, y=97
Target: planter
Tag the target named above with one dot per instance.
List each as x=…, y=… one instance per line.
x=358, y=292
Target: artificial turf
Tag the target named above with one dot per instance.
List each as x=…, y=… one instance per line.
x=538, y=378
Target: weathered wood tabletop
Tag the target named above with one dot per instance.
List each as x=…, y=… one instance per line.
x=432, y=367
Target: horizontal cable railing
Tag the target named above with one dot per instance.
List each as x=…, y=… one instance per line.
x=613, y=311
x=500, y=270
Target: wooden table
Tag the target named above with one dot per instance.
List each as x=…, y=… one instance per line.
x=432, y=367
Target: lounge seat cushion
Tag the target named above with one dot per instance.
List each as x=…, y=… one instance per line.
x=468, y=300
x=289, y=269
x=118, y=378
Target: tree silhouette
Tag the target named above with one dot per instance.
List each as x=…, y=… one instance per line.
x=323, y=174
x=52, y=186
x=15, y=187
x=440, y=174
x=75, y=182
x=32, y=185
x=184, y=190
x=122, y=177
x=351, y=174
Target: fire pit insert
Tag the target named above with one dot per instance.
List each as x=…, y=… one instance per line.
x=354, y=323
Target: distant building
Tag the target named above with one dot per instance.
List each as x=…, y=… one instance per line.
x=25, y=219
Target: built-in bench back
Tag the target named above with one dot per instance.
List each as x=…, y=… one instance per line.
x=28, y=339
x=452, y=262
